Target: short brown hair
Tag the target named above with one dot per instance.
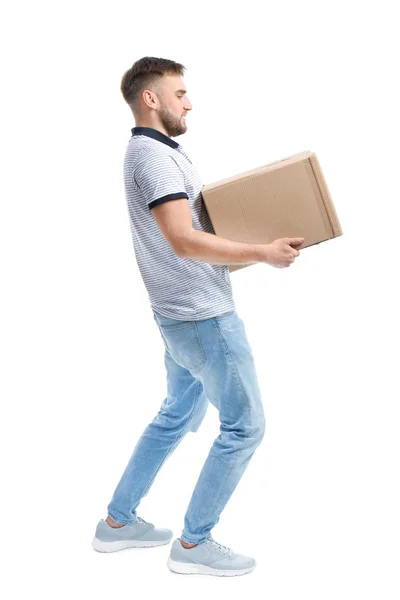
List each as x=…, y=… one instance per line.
x=146, y=73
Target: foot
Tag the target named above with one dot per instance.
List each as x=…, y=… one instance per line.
x=208, y=558
x=138, y=534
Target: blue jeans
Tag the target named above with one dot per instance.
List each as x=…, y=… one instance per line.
x=206, y=360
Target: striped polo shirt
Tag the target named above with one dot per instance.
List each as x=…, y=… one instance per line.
x=156, y=170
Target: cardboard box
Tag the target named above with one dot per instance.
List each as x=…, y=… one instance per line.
x=286, y=198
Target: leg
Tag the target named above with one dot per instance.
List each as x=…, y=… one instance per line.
x=181, y=411
x=230, y=382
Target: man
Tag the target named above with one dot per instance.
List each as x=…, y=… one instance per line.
x=207, y=355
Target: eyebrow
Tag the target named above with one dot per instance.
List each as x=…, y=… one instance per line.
x=179, y=91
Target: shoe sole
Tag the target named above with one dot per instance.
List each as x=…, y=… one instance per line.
x=197, y=569
x=123, y=544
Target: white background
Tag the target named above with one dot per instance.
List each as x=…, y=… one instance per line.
x=82, y=359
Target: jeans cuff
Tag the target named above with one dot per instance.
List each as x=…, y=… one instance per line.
x=120, y=522
x=191, y=541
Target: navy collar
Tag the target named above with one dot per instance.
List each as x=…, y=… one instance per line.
x=155, y=134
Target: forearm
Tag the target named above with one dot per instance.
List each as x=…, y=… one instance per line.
x=210, y=248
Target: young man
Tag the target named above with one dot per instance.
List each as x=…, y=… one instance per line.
x=207, y=355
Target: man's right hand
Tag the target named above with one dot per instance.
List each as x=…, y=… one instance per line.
x=282, y=252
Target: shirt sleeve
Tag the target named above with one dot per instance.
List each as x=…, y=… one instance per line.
x=159, y=179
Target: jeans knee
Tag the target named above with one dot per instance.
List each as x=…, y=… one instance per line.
x=249, y=436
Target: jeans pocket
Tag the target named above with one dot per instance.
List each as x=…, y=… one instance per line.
x=183, y=342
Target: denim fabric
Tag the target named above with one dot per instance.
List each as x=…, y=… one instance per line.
x=206, y=361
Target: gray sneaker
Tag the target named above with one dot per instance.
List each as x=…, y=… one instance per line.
x=139, y=534
x=208, y=558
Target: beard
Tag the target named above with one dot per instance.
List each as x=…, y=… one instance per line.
x=171, y=123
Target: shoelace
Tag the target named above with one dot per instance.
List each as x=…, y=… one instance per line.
x=219, y=547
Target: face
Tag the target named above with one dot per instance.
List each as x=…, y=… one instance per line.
x=173, y=105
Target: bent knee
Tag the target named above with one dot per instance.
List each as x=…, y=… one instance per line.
x=250, y=435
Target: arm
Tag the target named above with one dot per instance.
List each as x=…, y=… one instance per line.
x=174, y=219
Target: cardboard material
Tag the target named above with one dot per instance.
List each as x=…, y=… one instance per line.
x=286, y=198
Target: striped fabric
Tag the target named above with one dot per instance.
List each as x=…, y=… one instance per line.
x=157, y=169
